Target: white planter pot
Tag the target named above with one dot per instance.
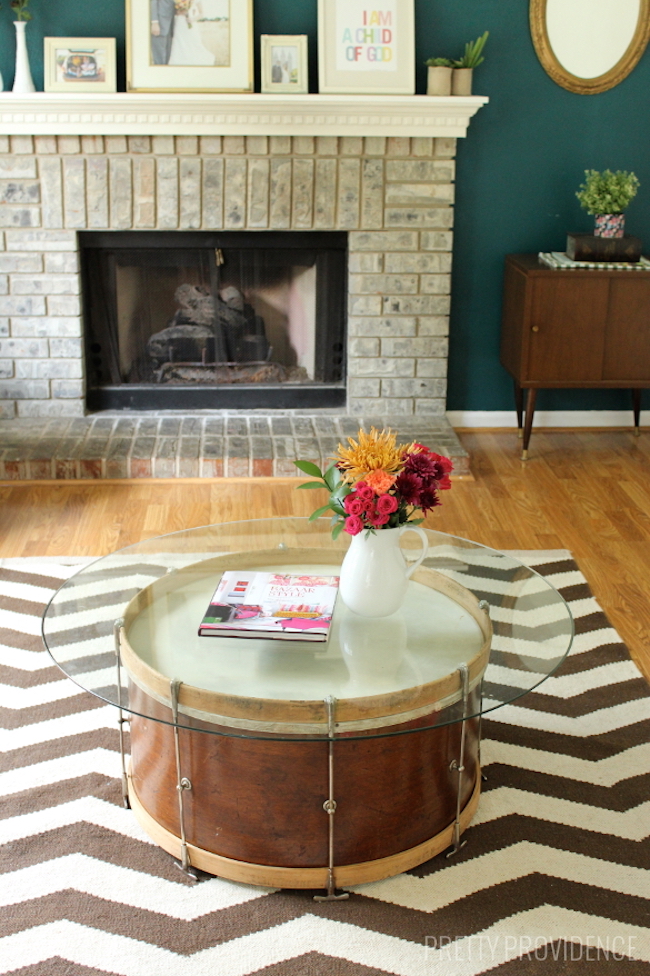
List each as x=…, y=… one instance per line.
x=374, y=573
x=461, y=83
x=439, y=80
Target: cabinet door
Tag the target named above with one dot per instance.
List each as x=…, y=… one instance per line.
x=627, y=341
x=567, y=327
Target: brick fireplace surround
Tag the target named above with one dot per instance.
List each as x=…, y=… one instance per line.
x=393, y=193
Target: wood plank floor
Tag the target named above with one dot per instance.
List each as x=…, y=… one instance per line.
x=587, y=491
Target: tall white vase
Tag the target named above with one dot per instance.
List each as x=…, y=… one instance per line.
x=23, y=84
x=374, y=573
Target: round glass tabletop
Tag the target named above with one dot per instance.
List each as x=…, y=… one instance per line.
x=477, y=630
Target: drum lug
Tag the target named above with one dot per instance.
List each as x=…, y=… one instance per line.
x=458, y=764
x=329, y=806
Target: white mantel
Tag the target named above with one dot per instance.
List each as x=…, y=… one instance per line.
x=46, y=113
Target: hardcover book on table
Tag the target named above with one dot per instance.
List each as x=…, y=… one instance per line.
x=283, y=606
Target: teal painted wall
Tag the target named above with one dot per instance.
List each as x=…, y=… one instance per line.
x=518, y=169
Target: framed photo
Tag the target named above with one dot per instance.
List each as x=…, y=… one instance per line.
x=83, y=64
x=366, y=47
x=284, y=63
x=189, y=45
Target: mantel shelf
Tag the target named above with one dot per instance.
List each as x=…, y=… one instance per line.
x=46, y=113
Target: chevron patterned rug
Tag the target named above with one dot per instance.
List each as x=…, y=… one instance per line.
x=554, y=878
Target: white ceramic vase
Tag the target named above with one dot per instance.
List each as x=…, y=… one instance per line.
x=374, y=572
x=23, y=84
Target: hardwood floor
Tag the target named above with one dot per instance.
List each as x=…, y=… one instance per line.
x=587, y=491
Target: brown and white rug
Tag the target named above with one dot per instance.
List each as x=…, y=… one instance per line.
x=554, y=878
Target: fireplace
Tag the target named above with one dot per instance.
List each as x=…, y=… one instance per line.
x=198, y=320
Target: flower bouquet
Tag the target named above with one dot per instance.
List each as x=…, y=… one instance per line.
x=375, y=483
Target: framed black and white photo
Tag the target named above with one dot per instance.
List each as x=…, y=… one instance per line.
x=189, y=45
x=366, y=47
x=82, y=64
x=284, y=63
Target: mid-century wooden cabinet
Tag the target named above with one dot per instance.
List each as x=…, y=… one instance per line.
x=574, y=328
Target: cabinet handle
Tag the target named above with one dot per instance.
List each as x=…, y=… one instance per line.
x=535, y=328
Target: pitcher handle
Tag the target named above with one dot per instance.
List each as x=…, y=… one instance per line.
x=425, y=546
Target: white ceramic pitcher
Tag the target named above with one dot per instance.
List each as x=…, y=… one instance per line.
x=375, y=574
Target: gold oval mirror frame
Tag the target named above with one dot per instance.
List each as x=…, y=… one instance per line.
x=573, y=83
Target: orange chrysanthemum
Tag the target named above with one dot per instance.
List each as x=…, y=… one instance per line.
x=380, y=481
x=376, y=451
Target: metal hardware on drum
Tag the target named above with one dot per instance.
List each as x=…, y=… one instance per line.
x=182, y=784
x=458, y=764
x=329, y=806
x=121, y=721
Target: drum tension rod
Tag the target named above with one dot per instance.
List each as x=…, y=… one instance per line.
x=329, y=806
x=183, y=784
x=485, y=606
x=458, y=764
x=121, y=721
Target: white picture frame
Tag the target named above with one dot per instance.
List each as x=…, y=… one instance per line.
x=189, y=45
x=79, y=64
x=284, y=64
x=366, y=47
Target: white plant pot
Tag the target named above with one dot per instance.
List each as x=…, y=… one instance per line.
x=439, y=80
x=23, y=84
x=374, y=573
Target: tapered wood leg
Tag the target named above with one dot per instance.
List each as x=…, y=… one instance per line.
x=519, y=407
x=636, y=404
x=528, y=425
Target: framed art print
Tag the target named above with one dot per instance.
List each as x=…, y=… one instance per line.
x=366, y=47
x=79, y=64
x=284, y=63
x=189, y=45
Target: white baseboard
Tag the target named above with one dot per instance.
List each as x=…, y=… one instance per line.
x=547, y=418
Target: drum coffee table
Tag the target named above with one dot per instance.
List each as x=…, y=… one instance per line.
x=301, y=764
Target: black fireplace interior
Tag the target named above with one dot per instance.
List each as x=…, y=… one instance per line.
x=196, y=320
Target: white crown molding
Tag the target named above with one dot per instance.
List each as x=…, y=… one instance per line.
x=47, y=113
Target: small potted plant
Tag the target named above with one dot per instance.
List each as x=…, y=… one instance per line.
x=439, y=76
x=461, y=83
x=606, y=195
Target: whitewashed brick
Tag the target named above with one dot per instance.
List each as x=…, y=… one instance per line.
x=190, y=193
x=281, y=170
x=4, y=144
x=437, y=325
x=421, y=346
x=120, y=193
x=21, y=144
x=303, y=193
x=22, y=305
x=17, y=167
x=372, y=183
x=382, y=367
x=20, y=191
x=303, y=145
x=234, y=145
x=422, y=146
x=375, y=146
x=430, y=408
x=92, y=145
x=382, y=284
x=364, y=387
x=401, y=325
x=4, y=327
x=363, y=347
x=382, y=407
x=4, y=284
x=68, y=145
x=139, y=144
x=413, y=388
x=116, y=145
x=419, y=194
x=144, y=192
x=23, y=348
x=20, y=216
x=74, y=191
x=435, y=284
x=280, y=145
x=383, y=241
x=55, y=326
x=235, y=191
x=398, y=146
x=43, y=284
x=420, y=170
x=348, y=194
x=64, y=305
x=45, y=145
x=187, y=145
x=51, y=408
x=445, y=148
x=366, y=262
x=257, y=145
x=436, y=240
x=210, y=145
x=64, y=262
x=67, y=389
x=351, y=145
x=41, y=240
x=167, y=200
x=325, y=193
x=66, y=348
x=25, y=263
x=7, y=408
x=432, y=368
x=258, y=193
x=415, y=305
x=97, y=191
x=24, y=389
x=212, y=193
x=364, y=304
x=424, y=217
x=6, y=369
x=162, y=145
x=48, y=369
x=327, y=145
x=434, y=263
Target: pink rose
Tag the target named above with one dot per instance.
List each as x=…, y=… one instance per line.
x=364, y=491
x=386, y=504
x=378, y=520
x=353, y=525
x=353, y=504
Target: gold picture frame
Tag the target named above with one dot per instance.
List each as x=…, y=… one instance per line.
x=79, y=64
x=284, y=64
x=189, y=45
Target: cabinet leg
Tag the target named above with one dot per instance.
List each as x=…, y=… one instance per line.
x=528, y=425
x=636, y=404
x=519, y=407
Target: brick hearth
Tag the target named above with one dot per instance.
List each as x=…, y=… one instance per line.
x=112, y=445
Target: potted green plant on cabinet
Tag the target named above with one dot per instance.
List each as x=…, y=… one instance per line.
x=439, y=76
x=472, y=56
x=606, y=195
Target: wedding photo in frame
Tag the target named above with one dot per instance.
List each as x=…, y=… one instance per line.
x=79, y=64
x=366, y=47
x=189, y=45
x=284, y=63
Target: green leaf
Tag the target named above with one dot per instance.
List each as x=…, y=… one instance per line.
x=311, y=484
x=415, y=521
x=309, y=468
x=332, y=477
x=337, y=508
x=336, y=531
x=318, y=512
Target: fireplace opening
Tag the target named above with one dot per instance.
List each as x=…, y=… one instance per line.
x=203, y=320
